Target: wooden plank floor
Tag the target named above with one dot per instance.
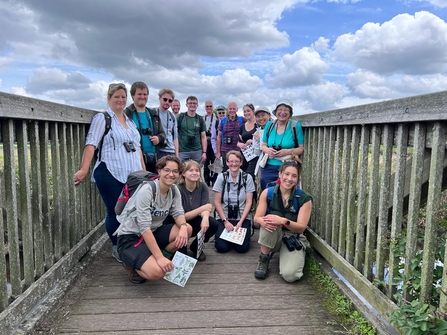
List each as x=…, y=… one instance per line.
x=221, y=297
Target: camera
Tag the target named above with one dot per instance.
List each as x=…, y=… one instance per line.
x=146, y=131
x=292, y=243
x=228, y=140
x=233, y=212
x=191, y=139
x=277, y=147
x=150, y=158
x=129, y=146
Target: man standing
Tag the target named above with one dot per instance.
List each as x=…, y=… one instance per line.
x=228, y=133
x=210, y=121
x=148, y=124
x=175, y=107
x=191, y=131
x=169, y=122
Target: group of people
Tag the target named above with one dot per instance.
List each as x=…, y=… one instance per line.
x=161, y=217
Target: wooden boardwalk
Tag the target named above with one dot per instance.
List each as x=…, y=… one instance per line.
x=221, y=297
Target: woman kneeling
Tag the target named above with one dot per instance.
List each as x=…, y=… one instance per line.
x=283, y=214
x=144, y=243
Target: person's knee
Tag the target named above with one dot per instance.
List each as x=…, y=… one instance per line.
x=221, y=247
x=242, y=249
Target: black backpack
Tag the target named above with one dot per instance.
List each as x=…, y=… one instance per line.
x=108, y=126
x=133, y=181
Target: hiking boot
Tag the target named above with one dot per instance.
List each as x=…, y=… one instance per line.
x=115, y=253
x=134, y=277
x=263, y=266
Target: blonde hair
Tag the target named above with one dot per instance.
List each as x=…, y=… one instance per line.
x=186, y=166
x=166, y=91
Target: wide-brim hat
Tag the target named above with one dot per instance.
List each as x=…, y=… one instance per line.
x=284, y=101
x=262, y=109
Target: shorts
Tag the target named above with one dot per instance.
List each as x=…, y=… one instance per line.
x=134, y=253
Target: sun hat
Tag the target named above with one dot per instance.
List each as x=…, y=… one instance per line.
x=284, y=101
x=262, y=109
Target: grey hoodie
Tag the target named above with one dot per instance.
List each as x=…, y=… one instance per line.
x=142, y=212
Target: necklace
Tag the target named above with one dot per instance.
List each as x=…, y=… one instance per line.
x=285, y=200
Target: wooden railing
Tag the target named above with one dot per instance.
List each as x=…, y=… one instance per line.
x=372, y=170
x=46, y=224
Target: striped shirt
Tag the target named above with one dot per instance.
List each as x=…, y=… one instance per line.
x=169, y=123
x=119, y=162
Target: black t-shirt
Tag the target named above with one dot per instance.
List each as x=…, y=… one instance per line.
x=247, y=135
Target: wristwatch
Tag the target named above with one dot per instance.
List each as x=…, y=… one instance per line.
x=287, y=223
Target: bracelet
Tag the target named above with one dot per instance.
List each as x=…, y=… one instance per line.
x=183, y=224
x=223, y=220
x=204, y=152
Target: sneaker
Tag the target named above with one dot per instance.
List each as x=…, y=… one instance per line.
x=202, y=257
x=263, y=266
x=134, y=277
x=115, y=253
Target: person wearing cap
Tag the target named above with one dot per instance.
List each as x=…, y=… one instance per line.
x=282, y=140
x=262, y=115
x=211, y=120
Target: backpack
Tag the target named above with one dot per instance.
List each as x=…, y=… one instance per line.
x=296, y=197
x=224, y=120
x=182, y=116
x=225, y=178
x=294, y=125
x=134, y=180
x=108, y=126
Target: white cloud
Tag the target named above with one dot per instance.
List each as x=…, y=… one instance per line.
x=365, y=84
x=436, y=3
x=406, y=44
x=303, y=67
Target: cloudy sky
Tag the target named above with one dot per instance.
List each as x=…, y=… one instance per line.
x=322, y=54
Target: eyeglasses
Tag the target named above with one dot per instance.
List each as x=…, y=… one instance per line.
x=211, y=106
x=221, y=113
x=169, y=171
x=192, y=103
x=120, y=85
x=166, y=99
x=233, y=162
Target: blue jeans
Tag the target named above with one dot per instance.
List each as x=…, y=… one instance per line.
x=110, y=190
x=269, y=174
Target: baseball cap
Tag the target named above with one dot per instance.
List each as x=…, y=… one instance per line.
x=284, y=101
x=221, y=107
x=262, y=109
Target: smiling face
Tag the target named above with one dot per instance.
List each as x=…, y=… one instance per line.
x=248, y=113
x=234, y=163
x=192, y=172
x=117, y=101
x=169, y=174
x=140, y=97
x=283, y=113
x=262, y=118
x=289, y=177
x=232, y=110
x=175, y=106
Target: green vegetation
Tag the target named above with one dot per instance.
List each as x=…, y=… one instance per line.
x=337, y=303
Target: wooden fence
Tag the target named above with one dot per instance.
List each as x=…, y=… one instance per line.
x=373, y=170
x=46, y=223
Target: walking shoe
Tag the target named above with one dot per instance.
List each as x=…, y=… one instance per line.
x=263, y=266
x=115, y=253
x=202, y=256
x=134, y=277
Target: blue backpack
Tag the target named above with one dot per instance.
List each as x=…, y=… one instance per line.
x=296, y=203
x=224, y=120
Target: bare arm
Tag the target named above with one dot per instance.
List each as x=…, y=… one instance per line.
x=87, y=157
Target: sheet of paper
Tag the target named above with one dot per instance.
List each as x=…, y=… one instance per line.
x=249, y=152
x=200, y=243
x=183, y=266
x=235, y=236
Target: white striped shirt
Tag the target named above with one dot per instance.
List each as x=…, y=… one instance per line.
x=169, y=123
x=119, y=162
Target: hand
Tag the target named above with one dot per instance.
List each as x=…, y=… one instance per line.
x=228, y=226
x=282, y=153
x=182, y=237
x=271, y=152
x=248, y=142
x=79, y=176
x=239, y=225
x=256, y=136
x=155, y=140
x=203, y=157
x=204, y=225
x=274, y=219
x=217, y=155
x=241, y=145
x=267, y=226
x=165, y=264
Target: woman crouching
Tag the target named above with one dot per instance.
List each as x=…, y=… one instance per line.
x=283, y=213
x=145, y=244
x=196, y=204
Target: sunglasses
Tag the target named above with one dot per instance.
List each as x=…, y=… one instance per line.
x=166, y=99
x=292, y=162
x=221, y=112
x=120, y=85
x=209, y=106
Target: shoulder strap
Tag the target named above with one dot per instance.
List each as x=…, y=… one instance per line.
x=180, y=120
x=295, y=138
x=296, y=198
x=270, y=190
x=107, y=128
x=269, y=130
x=224, y=183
